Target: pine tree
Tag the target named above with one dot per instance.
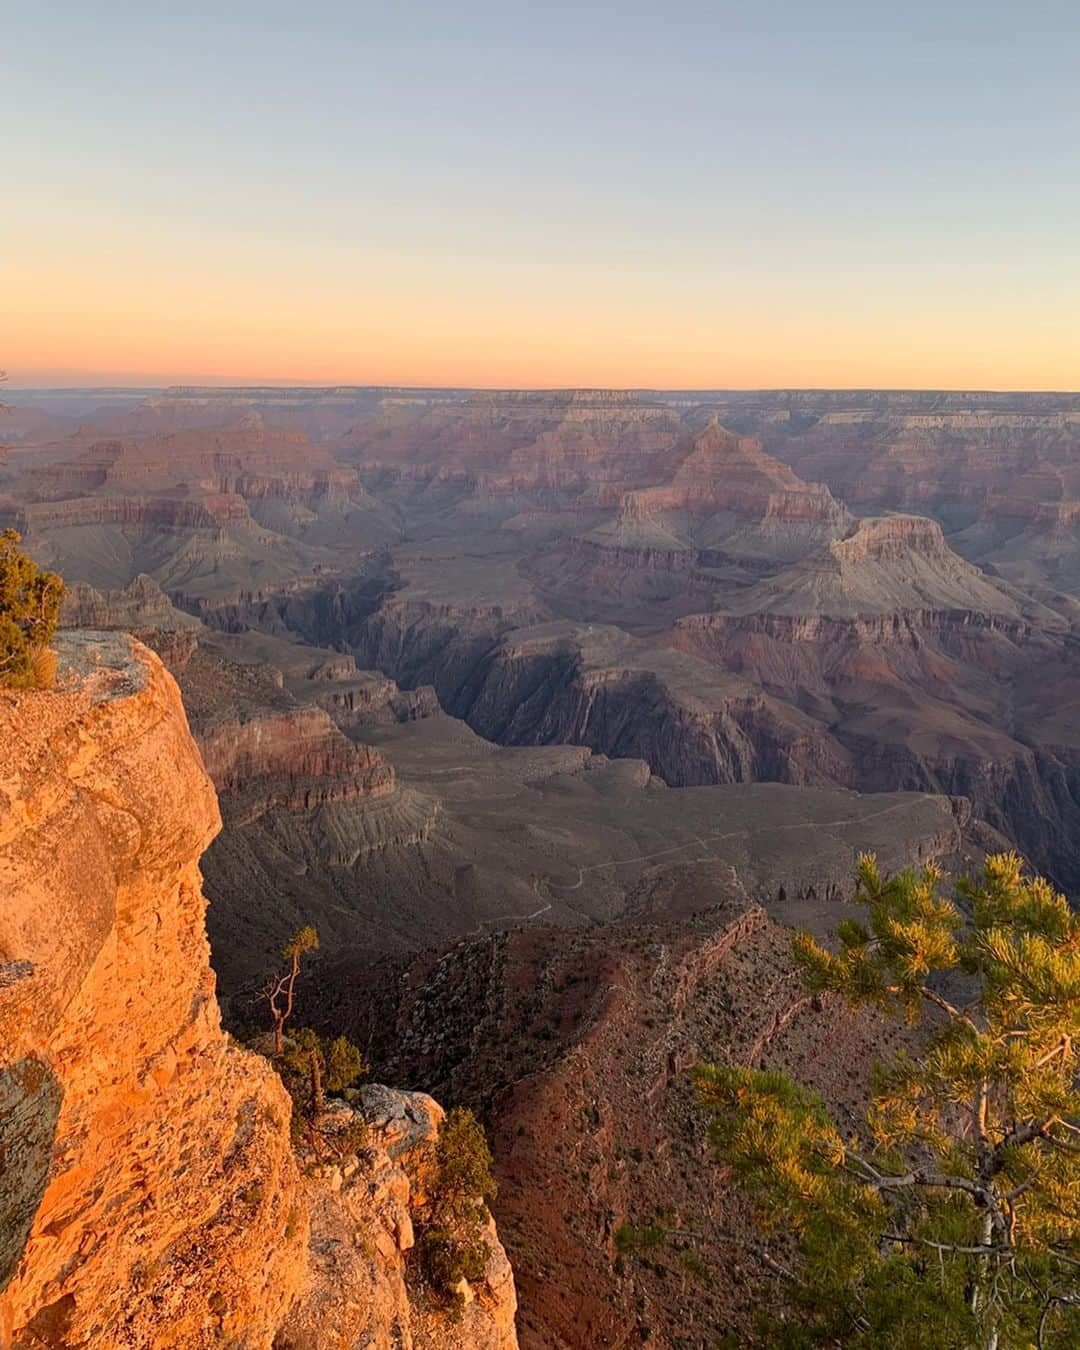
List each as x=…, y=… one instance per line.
x=451, y=1245
x=953, y=1220
x=29, y=610
x=313, y=1067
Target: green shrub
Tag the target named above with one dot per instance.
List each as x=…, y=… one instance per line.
x=29, y=609
x=463, y=1160
x=628, y=1238
x=314, y=1067
x=448, y=1258
x=450, y=1243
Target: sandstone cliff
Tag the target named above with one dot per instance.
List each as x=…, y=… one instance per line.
x=147, y=1166
x=149, y=1195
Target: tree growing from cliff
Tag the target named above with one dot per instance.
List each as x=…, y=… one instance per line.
x=279, y=993
x=451, y=1245
x=328, y=1066
x=313, y=1067
x=29, y=610
x=953, y=1220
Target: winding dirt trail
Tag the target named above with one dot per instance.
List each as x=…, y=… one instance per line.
x=717, y=838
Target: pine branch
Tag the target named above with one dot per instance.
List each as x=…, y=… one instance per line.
x=977, y=1249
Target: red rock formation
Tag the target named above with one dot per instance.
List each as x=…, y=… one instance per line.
x=589, y=443
x=207, y=510
x=727, y=502
x=296, y=758
x=249, y=459
x=579, y=1046
x=894, y=459
x=725, y=472
x=140, y=604
x=161, y=513
x=892, y=565
x=356, y=1292
x=263, y=750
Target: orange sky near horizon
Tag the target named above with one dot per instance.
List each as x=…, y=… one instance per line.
x=123, y=303
x=148, y=320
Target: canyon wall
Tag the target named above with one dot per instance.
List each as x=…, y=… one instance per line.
x=147, y=1160
x=149, y=1193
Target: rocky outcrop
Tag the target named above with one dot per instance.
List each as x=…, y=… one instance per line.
x=958, y=460
x=356, y=703
x=999, y=471
x=720, y=509
x=357, y=1293
x=722, y=472
x=889, y=565
x=140, y=604
x=445, y=645
x=160, y=513
x=248, y=459
x=893, y=539
x=206, y=512
x=296, y=759
x=314, y=606
x=149, y=1194
x=145, y=1158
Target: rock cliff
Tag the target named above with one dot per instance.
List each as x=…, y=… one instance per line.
x=247, y=459
x=149, y=1194
x=294, y=758
x=887, y=565
x=149, y=1186
x=721, y=471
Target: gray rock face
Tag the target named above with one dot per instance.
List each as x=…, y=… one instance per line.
x=402, y=1121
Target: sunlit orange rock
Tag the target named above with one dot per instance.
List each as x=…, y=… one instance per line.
x=148, y=1190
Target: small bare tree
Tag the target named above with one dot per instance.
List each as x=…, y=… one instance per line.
x=279, y=990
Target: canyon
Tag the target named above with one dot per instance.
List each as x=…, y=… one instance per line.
x=553, y=712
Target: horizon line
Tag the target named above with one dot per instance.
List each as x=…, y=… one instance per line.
x=11, y=390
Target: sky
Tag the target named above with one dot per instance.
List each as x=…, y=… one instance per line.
x=669, y=195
